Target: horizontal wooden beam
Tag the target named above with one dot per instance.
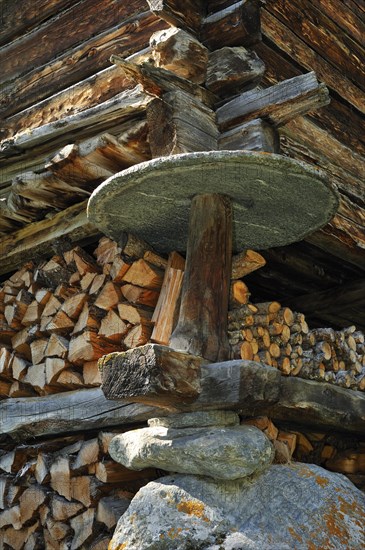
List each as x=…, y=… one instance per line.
x=250, y=388
x=37, y=239
x=67, y=412
x=278, y=104
x=120, y=107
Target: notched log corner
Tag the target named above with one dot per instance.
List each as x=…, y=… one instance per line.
x=153, y=375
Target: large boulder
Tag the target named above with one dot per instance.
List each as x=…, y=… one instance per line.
x=289, y=507
x=218, y=452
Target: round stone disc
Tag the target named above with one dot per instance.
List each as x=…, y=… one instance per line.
x=276, y=200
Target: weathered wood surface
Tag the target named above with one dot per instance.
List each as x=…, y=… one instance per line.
x=16, y=17
x=255, y=135
x=245, y=386
x=201, y=328
x=238, y=23
x=171, y=376
x=301, y=52
x=321, y=34
x=279, y=104
x=62, y=34
x=37, y=239
x=186, y=14
x=233, y=70
x=119, y=108
x=180, y=123
x=127, y=38
x=67, y=412
x=178, y=51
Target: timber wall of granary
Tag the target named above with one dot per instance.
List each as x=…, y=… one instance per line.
x=69, y=119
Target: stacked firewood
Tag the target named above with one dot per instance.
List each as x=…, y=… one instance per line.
x=58, y=318
x=339, y=453
x=64, y=493
x=277, y=336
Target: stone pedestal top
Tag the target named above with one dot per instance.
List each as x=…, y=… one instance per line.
x=276, y=200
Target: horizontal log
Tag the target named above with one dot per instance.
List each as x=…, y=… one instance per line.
x=321, y=34
x=62, y=33
x=289, y=42
x=119, y=108
x=248, y=387
x=156, y=81
x=16, y=17
x=37, y=239
x=127, y=38
x=279, y=103
x=67, y=412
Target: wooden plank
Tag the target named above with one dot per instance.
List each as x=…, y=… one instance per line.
x=68, y=29
x=16, y=17
x=126, y=39
x=278, y=104
x=37, y=239
x=245, y=386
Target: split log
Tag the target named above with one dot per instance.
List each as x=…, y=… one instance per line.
x=178, y=51
x=143, y=274
x=82, y=526
x=140, y=296
x=109, y=297
x=91, y=374
x=110, y=509
x=278, y=104
x=166, y=311
x=138, y=336
x=88, y=347
x=113, y=328
x=134, y=315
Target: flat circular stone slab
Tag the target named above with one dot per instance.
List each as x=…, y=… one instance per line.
x=276, y=200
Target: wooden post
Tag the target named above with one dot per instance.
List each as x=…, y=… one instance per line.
x=202, y=324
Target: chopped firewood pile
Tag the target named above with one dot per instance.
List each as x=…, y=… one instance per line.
x=57, y=318
x=68, y=491
x=343, y=454
x=64, y=491
x=281, y=338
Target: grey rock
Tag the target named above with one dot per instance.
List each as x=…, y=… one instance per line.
x=298, y=506
x=196, y=419
x=221, y=453
x=276, y=200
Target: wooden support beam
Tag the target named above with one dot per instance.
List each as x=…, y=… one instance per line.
x=255, y=135
x=186, y=14
x=278, y=104
x=180, y=123
x=172, y=376
x=202, y=325
x=250, y=388
x=157, y=81
x=238, y=24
